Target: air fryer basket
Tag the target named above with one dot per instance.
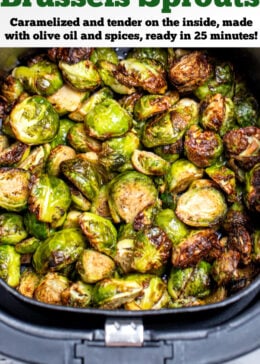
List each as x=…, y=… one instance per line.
x=75, y=325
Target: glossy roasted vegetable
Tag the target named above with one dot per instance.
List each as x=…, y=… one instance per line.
x=50, y=288
x=12, y=230
x=78, y=294
x=252, y=196
x=9, y=265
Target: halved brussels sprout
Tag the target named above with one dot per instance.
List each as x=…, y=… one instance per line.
x=128, y=101
x=59, y=250
x=61, y=136
x=78, y=294
x=72, y=219
x=83, y=75
x=107, y=119
x=235, y=217
x=171, y=225
x=240, y=240
x=50, y=288
x=14, y=154
x=112, y=293
x=181, y=174
x=58, y=155
x=36, y=160
x=100, y=232
x=12, y=230
x=225, y=178
x=149, y=163
x=42, y=78
x=11, y=89
x=27, y=246
x=99, y=205
x=151, y=250
x=9, y=265
x=190, y=71
x=34, y=121
x=145, y=218
x=94, y=266
x=203, y=148
x=124, y=254
x=170, y=152
x=224, y=267
x=158, y=54
x=129, y=193
x=252, y=196
x=14, y=188
x=29, y=280
x=79, y=201
x=49, y=199
x=80, y=141
x=201, y=206
x=38, y=229
x=70, y=55
x=107, y=54
x=217, y=114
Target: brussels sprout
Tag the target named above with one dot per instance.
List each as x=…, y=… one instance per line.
x=67, y=99
x=171, y=225
x=216, y=296
x=190, y=71
x=112, y=293
x=29, y=280
x=36, y=160
x=244, y=146
x=203, y=148
x=42, y=78
x=58, y=155
x=11, y=228
x=150, y=105
x=72, y=219
x=93, y=266
x=149, y=163
x=256, y=246
x=83, y=75
x=154, y=294
x=100, y=232
x=11, y=89
x=78, y=294
x=107, y=54
x=14, y=154
x=59, y=250
x=181, y=174
x=186, y=302
x=84, y=175
x=189, y=282
x=38, y=229
x=61, y=136
x=147, y=74
x=124, y=254
x=194, y=247
x=50, y=288
x=217, y=114
x=145, y=218
x=34, y=121
x=4, y=142
x=80, y=141
x=107, y=71
x=6, y=127
x=151, y=250
x=224, y=267
x=14, y=188
x=235, y=217
x=88, y=104
x=69, y=55
x=129, y=193
x=246, y=110
x=27, y=246
x=201, y=206
x=252, y=196
x=99, y=205
x=170, y=127
x=240, y=240
x=170, y=152
x=107, y=119
x=49, y=198
x=9, y=265
x=220, y=82
x=158, y=54
x=79, y=201
x=128, y=101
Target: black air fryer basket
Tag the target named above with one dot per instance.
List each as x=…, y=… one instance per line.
x=34, y=332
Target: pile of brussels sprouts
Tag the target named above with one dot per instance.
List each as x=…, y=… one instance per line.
x=128, y=183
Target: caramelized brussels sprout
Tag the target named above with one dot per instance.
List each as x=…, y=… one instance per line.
x=72, y=219
x=203, y=148
x=100, y=232
x=224, y=267
x=83, y=75
x=78, y=294
x=124, y=254
x=14, y=188
x=170, y=152
x=129, y=193
x=58, y=155
x=190, y=71
x=36, y=160
x=158, y=54
x=42, y=78
x=149, y=163
x=29, y=280
x=59, y=250
x=112, y=293
x=12, y=230
x=69, y=55
x=235, y=217
x=9, y=265
x=79, y=201
x=252, y=196
x=225, y=178
x=11, y=89
x=80, y=141
x=50, y=288
x=107, y=119
x=49, y=199
x=27, y=246
x=201, y=206
x=107, y=54
x=38, y=229
x=14, y=154
x=34, y=121
x=94, y=266
x=240, y=240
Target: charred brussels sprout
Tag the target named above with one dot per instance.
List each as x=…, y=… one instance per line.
x=69, y=55
x=34, y=121
x=9, y=265
x=11, y=89
x=49, y=199
x=201, y=206
x=107, y=54
x=225, y=178
x=29, y=280
x=252, y=197
x=50, y=288
x=36, y=161
x=130, y=193
x=149, y=163
x=79, y=201
x=80, y=141
x=224, y=267
x=12, y=230
x=78, y=294
x=59, y=250
x=107, y=119
x=42, y=78
x=100, y=232
x=58, y=155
